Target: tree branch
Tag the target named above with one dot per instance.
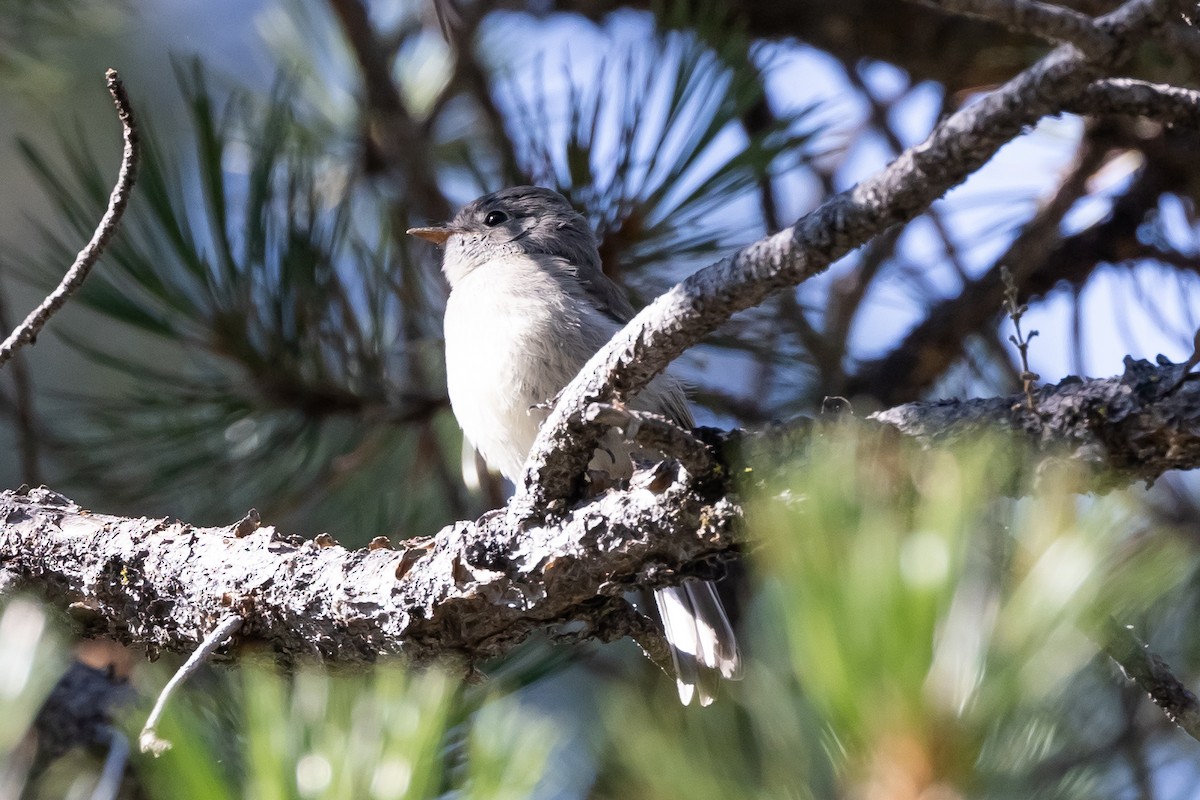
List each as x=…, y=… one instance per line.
x=939, y=340
x=148, y=740
x=1122, y=429
x=471, y=591
x=957, y=147
x=1052, y=23
x=27, y=331
x=474, y=590
x=1130, y=97
x=656, y=433
x=1152, y=674
x=1043, y=259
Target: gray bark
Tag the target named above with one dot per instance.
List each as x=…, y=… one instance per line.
x=473, y=590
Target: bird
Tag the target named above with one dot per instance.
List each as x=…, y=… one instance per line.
x=529, y=304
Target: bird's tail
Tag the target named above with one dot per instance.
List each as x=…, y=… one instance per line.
x=703, y=646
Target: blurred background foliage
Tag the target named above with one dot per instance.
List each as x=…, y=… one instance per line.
x=263, y=334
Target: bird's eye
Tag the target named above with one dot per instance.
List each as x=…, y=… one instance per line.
x=494, y=218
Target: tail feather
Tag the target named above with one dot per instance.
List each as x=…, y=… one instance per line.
x=677, y=623
x=721, y=647
x=702, y=641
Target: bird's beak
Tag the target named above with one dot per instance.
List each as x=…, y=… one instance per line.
x=437, y=235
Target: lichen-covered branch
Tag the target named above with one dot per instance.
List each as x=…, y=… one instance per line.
x=1112, y=432
x=1130, y=97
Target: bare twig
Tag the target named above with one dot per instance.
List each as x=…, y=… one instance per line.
x=148, y=739
x=937, y=341
x=27, y=331
x=1152, y=674
x=1016, y=309
x=1049, y=22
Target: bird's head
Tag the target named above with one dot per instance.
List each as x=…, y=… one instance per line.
x=519, y=220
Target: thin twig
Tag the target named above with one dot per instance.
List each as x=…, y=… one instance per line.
x=149, y=740
x=1152, y=674
x=27, y=331
x=1016, y=310
x=936, y=342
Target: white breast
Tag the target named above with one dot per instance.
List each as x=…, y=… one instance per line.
x=514, y=338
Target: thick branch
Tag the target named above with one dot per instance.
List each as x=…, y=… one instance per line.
x=474, y=590
x=471, y=591
x=27, y=331
x=656, y=433
x=677, y=320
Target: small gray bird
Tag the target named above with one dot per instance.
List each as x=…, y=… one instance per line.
x=529, y=305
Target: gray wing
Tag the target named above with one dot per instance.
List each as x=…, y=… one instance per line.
x=665, y=394
x=608, y=296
